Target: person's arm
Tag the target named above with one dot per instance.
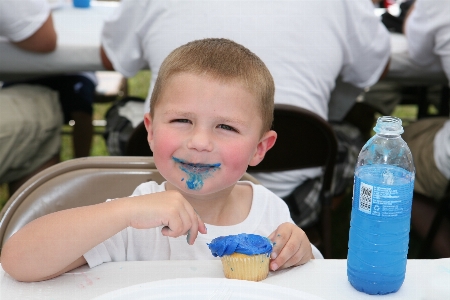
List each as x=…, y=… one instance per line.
x=105, y=60
x=386, y=69
x=55, y=243
x=410, y=10
x=43, y=40
x=368, y=46
x=421, y=28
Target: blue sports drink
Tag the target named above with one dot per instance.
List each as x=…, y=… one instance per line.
x=381, y=211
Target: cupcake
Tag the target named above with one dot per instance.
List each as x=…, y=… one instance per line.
x=244, y=256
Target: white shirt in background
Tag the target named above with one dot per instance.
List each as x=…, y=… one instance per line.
x=20, y=19
x=428, y=35
x=306, y=44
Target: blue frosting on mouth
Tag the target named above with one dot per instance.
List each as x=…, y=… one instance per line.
x=196, y=172
x=249, y=244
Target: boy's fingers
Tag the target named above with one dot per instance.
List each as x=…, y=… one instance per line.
x=193, y=231
x=197, y=226
x=279, y=239
x=178, y=224
x=185, y=222
x=284, y=255
x=290, y=257
x=202, y=227
x=294, y=260
x=272, y=235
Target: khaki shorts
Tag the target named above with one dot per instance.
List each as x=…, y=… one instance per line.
x=30, y=125
x=420, y=139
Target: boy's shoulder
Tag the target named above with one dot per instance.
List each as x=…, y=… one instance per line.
x=261, y=193
x=264, y=204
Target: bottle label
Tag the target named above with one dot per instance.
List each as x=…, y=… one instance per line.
x=365, y=198
x=389, y=197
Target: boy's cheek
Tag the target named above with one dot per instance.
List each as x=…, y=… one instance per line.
x=164, y=145
x=236, y=160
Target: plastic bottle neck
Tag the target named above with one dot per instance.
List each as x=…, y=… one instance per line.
x=389, y=126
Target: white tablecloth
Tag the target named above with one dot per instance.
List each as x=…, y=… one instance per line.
x=78, y=47
x=425, y=279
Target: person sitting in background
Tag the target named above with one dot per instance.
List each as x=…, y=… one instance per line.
x=30, y=116
x=427, y=29
x=76, y=94
x=203, y=140
x=305, y=44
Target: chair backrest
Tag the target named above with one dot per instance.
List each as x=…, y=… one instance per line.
x=137, y=144
x=74, y=183
x=304, y=140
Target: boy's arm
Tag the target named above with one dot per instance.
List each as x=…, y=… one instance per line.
x=55, y=243
x=46, y=246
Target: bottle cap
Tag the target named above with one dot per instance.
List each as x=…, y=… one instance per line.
x=388, y=125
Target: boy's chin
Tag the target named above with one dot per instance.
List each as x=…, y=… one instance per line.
x=205, y=190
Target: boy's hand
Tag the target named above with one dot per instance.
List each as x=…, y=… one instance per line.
x=291, y=248
x=169, y=209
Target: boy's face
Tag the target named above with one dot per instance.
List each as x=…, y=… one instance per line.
x=205, y=133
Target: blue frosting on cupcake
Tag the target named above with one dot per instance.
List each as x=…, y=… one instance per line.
x=249, y=244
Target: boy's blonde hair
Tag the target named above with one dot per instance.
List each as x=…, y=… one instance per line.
x=223, y=60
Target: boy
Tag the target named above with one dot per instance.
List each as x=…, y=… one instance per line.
x=211, y=113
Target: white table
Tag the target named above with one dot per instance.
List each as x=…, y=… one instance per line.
x=425, y=279
x=78, y=47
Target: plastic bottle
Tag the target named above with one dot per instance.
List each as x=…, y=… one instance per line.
x=381, y=211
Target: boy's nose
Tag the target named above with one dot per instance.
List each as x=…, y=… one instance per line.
x=200, y=140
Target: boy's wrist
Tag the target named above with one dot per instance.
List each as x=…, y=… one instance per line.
x=123, y=211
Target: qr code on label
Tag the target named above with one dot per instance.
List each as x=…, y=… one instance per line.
x=365, y=198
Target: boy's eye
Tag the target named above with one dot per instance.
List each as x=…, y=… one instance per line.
x=227, y=127
x=181, y=121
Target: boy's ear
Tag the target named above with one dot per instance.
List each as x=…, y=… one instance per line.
x=149, y=126
x=264, y=145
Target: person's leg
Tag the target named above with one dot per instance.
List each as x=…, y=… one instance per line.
x=429, y=181
x=76, y=96
x=30, y=126
x=419, y=136
x=82, y=133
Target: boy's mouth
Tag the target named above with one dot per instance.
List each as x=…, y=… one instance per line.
x=196, y=167
x=196, y=172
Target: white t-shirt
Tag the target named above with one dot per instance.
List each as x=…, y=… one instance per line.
x=306, y=44
x=428, y=35
x=266, y=214
x=20, y=19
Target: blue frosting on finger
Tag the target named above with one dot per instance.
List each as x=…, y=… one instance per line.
x=249, y=244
